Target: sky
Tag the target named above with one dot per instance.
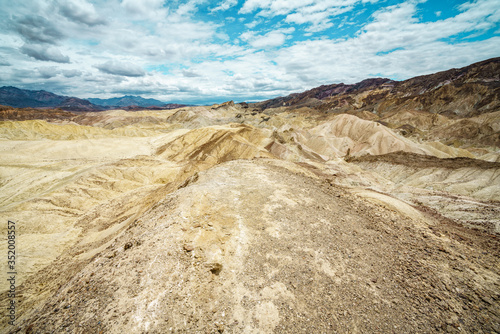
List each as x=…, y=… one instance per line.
x=204, y=52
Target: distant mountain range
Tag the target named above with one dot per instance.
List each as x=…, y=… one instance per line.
x=127, y=100
x=24, y=98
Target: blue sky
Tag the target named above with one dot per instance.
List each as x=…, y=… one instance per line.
x=203, y=52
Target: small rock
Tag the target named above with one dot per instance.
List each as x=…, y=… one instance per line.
x=215, y=268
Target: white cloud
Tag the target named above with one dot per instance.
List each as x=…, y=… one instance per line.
x=274, y=7
x=37, y=29
x=143, y=7
x=71, y=73
x=121, y=68
x=269, y=40
x=3, y=62
x=317, y=13
x=47, y=72
x=188, y=8
x=398, y=26
x=253, y=24
x=44, y=53
x=272, y=39
x=190, y=73
x=80, y=11
x=225, y=5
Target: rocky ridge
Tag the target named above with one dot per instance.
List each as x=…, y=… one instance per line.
x=456, y=93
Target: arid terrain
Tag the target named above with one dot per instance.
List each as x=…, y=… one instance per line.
x=367, y=208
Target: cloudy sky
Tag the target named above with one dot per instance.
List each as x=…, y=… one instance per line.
x=197, y=51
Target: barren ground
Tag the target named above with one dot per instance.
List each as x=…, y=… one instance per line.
x=203, y=220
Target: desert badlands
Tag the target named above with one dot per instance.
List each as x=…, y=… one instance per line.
x=368, y=208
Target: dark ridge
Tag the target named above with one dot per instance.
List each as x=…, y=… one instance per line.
x=24, y=114
x=426, y=161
